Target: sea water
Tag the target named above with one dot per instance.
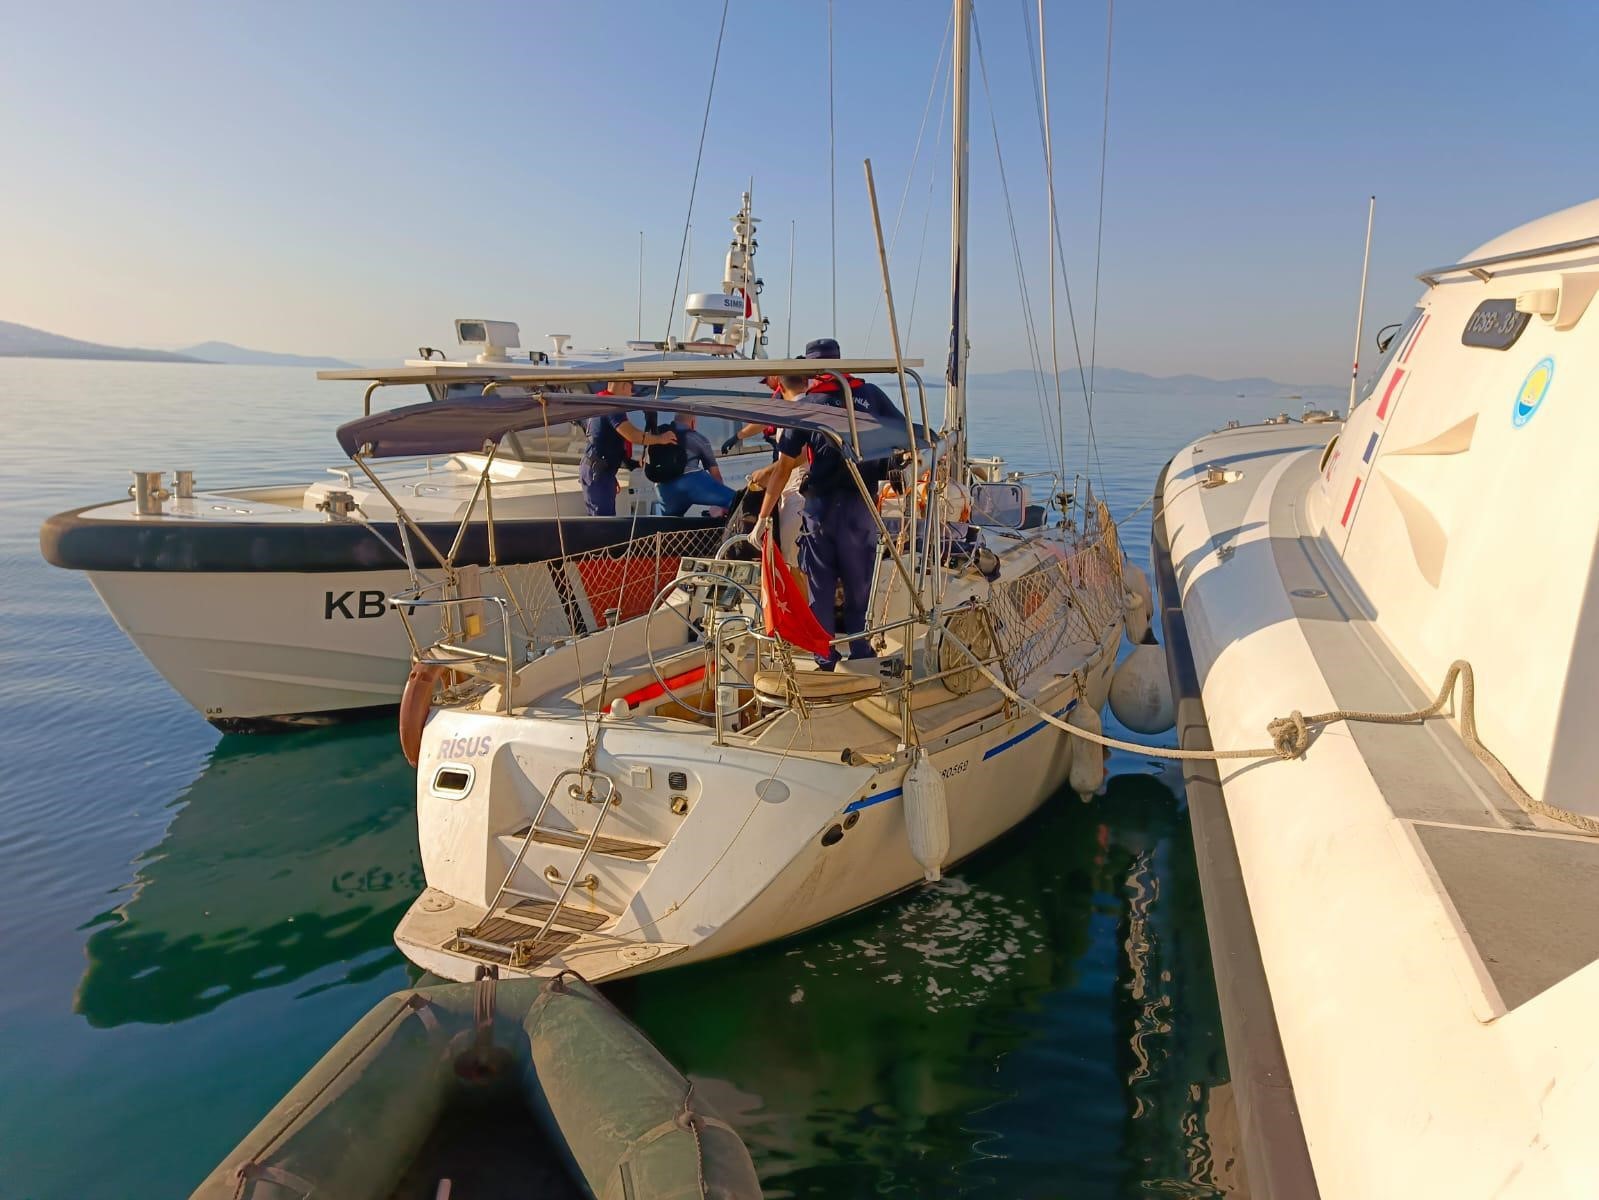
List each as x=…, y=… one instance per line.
x=188, y=921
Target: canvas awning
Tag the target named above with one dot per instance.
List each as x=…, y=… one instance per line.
x=456, y=426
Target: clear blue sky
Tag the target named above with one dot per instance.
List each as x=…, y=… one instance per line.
x=345, y=179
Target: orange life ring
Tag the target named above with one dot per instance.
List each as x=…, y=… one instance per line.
x=415, y=705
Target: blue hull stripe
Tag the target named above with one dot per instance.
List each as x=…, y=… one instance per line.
x=1024, y=734
x=869, y=801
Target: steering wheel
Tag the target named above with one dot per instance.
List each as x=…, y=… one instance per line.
x=686, y=583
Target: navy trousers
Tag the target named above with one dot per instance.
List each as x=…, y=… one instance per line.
x=839, y=544
x=599, y=487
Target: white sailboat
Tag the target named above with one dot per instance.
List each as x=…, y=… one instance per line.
x=266, y=606
x=678, y=786
x=1402, y=915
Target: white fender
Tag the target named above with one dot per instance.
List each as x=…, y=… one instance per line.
x=1088, y=758
x=1140, y=692
x=1137, y=602
x=926, y=816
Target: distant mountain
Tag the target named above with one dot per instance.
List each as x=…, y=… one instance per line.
x=21, y=341
x=227, y=352
x=1114, y=379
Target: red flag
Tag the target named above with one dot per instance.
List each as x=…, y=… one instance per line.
x=786, y=613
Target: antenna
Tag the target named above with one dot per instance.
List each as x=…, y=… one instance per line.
x=688, y=268
x=1360, y=311
x=640, y=334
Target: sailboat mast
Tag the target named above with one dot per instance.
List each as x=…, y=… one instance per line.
x=955, y=374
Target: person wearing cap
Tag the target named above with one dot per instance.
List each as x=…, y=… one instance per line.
x=838, y=542
x=868, y=396
x=607, y=450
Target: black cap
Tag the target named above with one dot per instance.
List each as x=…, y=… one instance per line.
x=822, y=348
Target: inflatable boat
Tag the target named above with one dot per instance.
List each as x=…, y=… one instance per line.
x=486, y=1090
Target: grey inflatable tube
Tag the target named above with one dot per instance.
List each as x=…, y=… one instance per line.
x=627, y=1122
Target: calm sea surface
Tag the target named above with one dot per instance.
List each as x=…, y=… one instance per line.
x=188, y=921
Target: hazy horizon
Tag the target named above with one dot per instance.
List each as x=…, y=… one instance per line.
x=340, y=186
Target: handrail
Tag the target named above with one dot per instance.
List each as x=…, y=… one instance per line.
x=1479, y=266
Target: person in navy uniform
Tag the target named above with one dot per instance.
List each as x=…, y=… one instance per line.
x=839, y=539
x=607, y=450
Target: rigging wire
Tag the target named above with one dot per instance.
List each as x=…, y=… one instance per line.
x=910, y=175
x=1099, y=231
x=927, y=209
x=832, y=167
x=1054, y=235
x=699, y=157
x=1060, y=251
x=1034, y=346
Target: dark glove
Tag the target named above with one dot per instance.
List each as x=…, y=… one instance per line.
x=727, y=446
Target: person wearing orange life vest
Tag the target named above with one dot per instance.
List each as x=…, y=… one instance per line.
x=838, y=544
x=606, y=451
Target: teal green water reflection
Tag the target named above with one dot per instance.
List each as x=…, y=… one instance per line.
x=187, y=922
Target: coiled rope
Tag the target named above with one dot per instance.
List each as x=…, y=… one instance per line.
x=1290, y=735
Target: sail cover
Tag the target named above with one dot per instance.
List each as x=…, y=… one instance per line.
x=458, y=426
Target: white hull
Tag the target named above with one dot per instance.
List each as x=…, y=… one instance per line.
x=741, y=870
x=217, y=592
x=265, y=647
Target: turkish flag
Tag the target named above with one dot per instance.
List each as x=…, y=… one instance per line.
x=786, y=613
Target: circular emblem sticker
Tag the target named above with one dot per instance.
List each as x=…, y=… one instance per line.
x=1533, y=389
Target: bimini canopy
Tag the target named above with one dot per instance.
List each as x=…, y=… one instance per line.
x=455, y=426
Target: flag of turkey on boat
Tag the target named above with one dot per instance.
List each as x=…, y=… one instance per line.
x=786, y=614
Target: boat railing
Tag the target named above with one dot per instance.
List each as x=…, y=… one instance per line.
x=1482, y=268
x=542, y=604
x=446, y=652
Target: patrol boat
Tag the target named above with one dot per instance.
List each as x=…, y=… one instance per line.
x=265, y=607
x=1401, y=899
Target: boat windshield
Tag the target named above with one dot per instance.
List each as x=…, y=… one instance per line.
x=1394, y=345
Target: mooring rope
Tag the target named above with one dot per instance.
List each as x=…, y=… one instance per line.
x=1290, y=735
